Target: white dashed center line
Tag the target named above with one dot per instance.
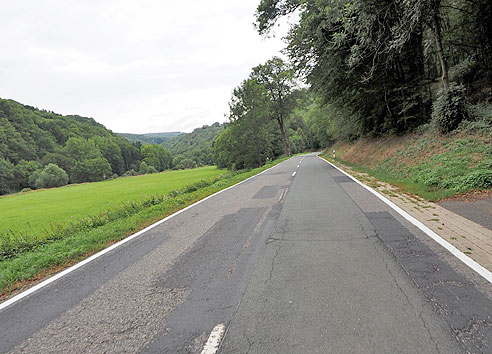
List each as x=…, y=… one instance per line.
x=214, y=340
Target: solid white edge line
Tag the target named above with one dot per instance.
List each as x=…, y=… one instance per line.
x=485, y=273
x=293, y=174
x=112, y=247
x=214, y=340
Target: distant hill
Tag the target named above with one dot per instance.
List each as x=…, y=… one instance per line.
x=187, y=149
x=31, y=138
x=195, y=146
x=150, y=138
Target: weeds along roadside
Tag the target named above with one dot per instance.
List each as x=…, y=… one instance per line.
x=61, y=245
x=431, y=166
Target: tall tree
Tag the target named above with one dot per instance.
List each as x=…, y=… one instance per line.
x=251, y=137
x=279, y=80
x=156, y=156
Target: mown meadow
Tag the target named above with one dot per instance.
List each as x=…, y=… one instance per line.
x=33, y=212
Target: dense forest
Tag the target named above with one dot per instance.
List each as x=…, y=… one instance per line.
x=149, y=138
x=372, y=68
x=195, y=148
x=188, y=149
x=41, y=149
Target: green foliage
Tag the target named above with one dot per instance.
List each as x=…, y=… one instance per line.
x=151, y=138
x=23, y=170
x=50, y=176
x=145, y=169
x=196, y=146
x=185, y=163
x=252, y=136
x=157, y=156
x=277, y=78
x=31, y=138
x=130, y=173
x=6, y=176
x=91, y=170
x=450, y=108
x=111, y=151
x=481, y=112
x=377, y=62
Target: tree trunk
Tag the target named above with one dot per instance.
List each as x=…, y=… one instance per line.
x=284, y=136
x=440, y=53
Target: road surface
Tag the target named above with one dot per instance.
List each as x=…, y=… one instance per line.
x=299, y=259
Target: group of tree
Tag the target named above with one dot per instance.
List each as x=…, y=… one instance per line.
x=369, y=68
x=189, y=150
x=41, y=149
x=149, y=138
x=194, y=149
x=387, y=67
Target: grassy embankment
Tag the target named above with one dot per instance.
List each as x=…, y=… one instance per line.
x=44, y=231
x=429, y=165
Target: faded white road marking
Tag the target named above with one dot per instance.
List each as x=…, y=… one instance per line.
x=214, y=340
x=485, y=273
x=297, y=166
x=120, y=243
x=293, y=174
x=282, y=195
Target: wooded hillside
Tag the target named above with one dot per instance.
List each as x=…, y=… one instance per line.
x=195, y=148
x=42, y=149
x=149, y=138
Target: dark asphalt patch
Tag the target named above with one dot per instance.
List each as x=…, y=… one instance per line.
x=467, y=311
x=479, y=211
x=214, y=270
x=342, y=179
x=267, y=192
x=279, y=173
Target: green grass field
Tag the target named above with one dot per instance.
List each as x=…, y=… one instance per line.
x=33, y=212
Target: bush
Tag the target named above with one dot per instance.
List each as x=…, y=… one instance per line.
x=450, y=108
x=186, y=163
x=51, y=176
x=131, y=172
x=481, y=112
x=24, y=190
x=91, y=170
x=480, y=179
x=146, y=169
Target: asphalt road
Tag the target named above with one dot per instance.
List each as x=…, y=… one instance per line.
x=303, y=263
x=479, y=211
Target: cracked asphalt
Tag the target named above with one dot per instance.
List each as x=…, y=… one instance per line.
x=306, y=264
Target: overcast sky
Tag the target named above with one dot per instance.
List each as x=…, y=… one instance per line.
x=134, y=66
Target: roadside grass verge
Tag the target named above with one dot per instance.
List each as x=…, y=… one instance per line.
x=428, y=165
x=76, y=241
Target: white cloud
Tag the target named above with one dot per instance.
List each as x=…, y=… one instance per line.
x=134, y=66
